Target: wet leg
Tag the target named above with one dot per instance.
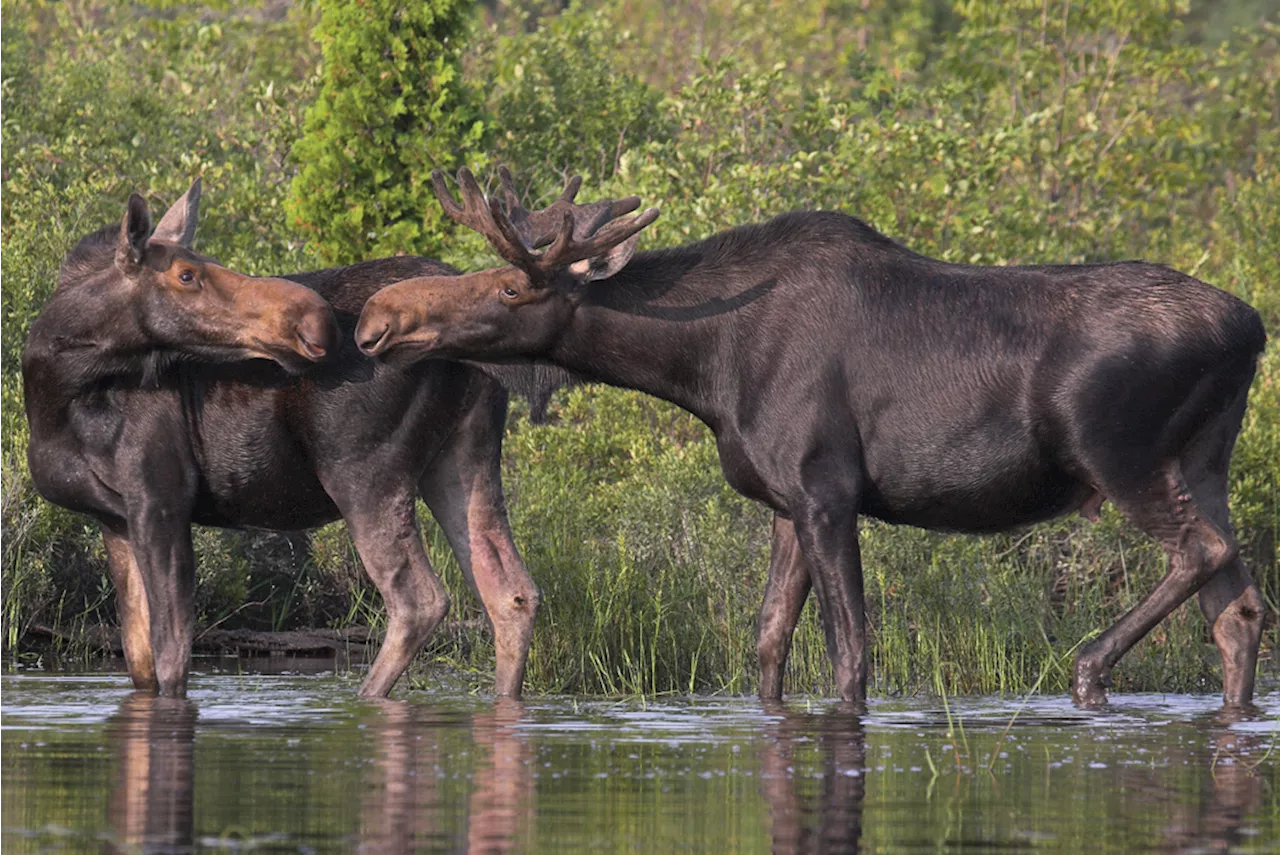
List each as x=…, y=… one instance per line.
x=384, y=526
x=1230, y=601
x=828, y=537
x=1234, y=609
x=1198, y=549
x=784, y=595
x=131, y=605
x=463, y=488
x=166, y=561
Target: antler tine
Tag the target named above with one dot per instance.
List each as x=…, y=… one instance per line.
x=473, y=212
x=510, y=196
x=571, y=188
x=568, y=248
x=617, y=231
x=509, y=243
x=481, y=215
x=445, y=198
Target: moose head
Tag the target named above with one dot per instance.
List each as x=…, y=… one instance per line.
x=512, y=311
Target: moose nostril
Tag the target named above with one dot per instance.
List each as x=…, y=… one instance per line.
x=317, y=334
x=371, y=337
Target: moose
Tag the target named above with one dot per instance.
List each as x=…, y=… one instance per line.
x=163, y=389
x=844, y=375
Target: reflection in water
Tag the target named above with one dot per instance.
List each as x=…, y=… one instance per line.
x=151, y=800
x=287, y=764
x=399, y=809
x=834, y=822
x=1231, y=790
x=501, y=805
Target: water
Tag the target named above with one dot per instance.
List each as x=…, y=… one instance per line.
x=286, y=763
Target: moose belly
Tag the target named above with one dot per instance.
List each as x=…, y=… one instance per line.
x=259, y=476
x=983, y=490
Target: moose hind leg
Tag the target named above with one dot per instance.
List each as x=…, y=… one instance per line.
x=784, y=595
x=131, y=605
x=386, y=536
x=463, y=489
x=1198, y=549
x=1231, y=603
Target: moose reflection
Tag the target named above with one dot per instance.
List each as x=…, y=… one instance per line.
x=830, y=820
x=152, y=797
x=400, y=806
x=151, y=806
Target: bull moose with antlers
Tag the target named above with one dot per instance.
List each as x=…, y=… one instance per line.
x=844, y=376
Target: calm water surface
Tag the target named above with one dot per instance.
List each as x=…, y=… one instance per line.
x=294, y=763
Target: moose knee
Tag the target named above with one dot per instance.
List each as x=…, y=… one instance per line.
x=1207, y=553
x=528, y=600
x=518, y=607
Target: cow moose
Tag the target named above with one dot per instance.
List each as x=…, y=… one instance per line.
x=163, y=389
x=844, y=375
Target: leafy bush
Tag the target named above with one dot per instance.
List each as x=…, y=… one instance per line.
x=392, y=107
x=979, y=131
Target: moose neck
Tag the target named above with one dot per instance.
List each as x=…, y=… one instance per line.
x=83, y=336
x=658, y=326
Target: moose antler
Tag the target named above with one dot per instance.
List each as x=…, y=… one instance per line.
x=474, y=212
x=539, y=228
x=574, y=231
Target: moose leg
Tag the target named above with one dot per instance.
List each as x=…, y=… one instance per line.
x=784, y=595
x=1231, y=602
x=828, y=538
x=463, y=489
x=1198, y=550
x=131, y=605
x=1234, y=609
x=384, y=526
x=163, y=555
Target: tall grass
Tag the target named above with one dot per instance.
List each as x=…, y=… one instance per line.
x=1107, y=135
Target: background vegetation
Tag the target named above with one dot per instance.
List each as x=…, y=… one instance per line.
x=982, y=131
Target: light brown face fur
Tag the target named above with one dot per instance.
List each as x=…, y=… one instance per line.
x=420, y=314
x=260, y=315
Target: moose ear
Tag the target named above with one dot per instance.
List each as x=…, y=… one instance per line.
x=135, y=228
x=178, y=225
x=605, y=264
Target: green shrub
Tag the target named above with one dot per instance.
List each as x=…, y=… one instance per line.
x=1011, y=136
x=391, y=107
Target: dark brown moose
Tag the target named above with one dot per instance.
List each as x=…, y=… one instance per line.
x=163, y=389
x=844, y=375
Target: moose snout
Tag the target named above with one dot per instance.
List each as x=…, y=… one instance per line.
x=376, y=330
x=317, y=333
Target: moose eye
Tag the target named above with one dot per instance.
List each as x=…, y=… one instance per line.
x=187, y=277
x=510, y=293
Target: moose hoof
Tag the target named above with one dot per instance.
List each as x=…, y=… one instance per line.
x=1093, y=678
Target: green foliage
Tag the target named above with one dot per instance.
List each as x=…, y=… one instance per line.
x=985, y=132
x=563, y=103
x=391, y=107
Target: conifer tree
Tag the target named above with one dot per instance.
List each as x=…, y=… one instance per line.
x=392, y=107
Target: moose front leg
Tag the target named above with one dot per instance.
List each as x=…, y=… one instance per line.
x=166, y=563
x=463, y=489
x=131, y=605
x=828, y=538
x=384, y=525
x=784, y=595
